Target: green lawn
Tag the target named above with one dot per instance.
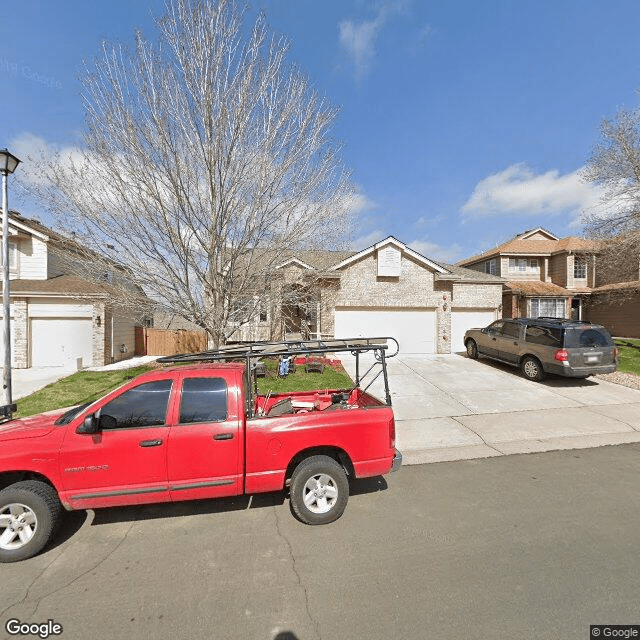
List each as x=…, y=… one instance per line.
x=629, y=356
x=86, y=386
x=333, y=377
x=81, y=387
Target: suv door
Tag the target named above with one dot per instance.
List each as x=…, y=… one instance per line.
x=508, y=342
x=125, y=461
x=487, y=340
x=205, y=442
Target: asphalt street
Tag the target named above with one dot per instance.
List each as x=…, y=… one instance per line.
x=523, y=546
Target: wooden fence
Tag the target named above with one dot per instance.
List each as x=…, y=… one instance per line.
x=168, y=342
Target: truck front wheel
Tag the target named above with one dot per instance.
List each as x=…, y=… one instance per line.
x=319, y=490
x=29, y=512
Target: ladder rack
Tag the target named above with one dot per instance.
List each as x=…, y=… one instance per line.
x=255, y=350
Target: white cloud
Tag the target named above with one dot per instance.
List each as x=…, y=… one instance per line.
x=519, y=191
x=366, y=241
x=357, y=39
x=435, y=251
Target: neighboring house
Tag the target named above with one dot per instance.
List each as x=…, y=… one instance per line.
x=387, y=289
x=565, y=278
x=59, y=319
x=545, y=275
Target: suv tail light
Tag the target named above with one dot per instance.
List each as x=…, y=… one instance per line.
x=616, y=352
x=561, y=355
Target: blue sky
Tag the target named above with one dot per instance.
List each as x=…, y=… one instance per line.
x=464, y=121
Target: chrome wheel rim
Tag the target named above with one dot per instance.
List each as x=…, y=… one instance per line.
x=471, y=349
x=18, y=525
x=320, y=493
x=531, y=369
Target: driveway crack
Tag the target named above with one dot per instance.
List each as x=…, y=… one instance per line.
x=314, y=622
x=488, y=444
x=70, y=582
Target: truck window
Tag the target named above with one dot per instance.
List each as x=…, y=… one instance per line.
x=142, y=406
x=203, y=400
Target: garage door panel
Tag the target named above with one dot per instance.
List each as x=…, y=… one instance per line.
x=60, y=342
x=413, y=329
x=464, y=319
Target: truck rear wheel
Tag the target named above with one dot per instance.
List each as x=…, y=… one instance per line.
x=29, y=512
x=319, y=490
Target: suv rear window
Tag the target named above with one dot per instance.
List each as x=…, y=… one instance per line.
x=587, y=337
x=549, y=336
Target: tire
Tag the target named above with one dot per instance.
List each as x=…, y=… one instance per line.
x=29, y=513
x=532, y=369
x=472, y=349
x=319, y=490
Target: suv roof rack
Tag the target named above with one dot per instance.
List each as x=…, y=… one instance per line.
x=249, y=351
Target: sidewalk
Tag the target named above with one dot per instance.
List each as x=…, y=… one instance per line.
x=453, y=408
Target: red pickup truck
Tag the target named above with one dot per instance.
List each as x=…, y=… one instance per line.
x=192, y=432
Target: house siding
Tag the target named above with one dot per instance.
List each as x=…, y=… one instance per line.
x=32, y=259
x=558, y=269
x=619, y=311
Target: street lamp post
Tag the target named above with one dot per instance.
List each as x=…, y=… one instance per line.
x=8, y=164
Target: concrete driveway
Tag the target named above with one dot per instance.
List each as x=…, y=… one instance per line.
x=452, y=408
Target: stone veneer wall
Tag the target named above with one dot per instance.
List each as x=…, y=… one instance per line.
x=20, y=334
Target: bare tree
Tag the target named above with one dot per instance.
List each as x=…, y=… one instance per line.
x=614, y=166
x=206, y=156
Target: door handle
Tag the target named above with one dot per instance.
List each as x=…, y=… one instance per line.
x=223, y=436
x=150, y=443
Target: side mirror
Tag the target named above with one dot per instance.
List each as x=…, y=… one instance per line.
x=90, y=425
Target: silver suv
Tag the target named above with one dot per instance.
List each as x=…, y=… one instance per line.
x=539, y=346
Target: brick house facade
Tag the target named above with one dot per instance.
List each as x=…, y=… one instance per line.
x=386, y=289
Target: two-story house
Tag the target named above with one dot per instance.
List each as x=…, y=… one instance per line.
x=58, y=318
x=545, y=275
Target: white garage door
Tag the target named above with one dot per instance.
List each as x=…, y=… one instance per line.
x=58, y=342
x=463, y=319
x=415, y=330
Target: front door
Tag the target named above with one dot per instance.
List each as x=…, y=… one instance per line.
x=126, y=461
x=205, y=445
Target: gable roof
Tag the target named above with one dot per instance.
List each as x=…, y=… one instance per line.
x=19, y=224
x=390, y=240
x=525, y=245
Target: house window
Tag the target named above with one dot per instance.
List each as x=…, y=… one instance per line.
x=548, y=307
x=13, y=256
x=524, y=265
x=491, y=266
x=579, y=267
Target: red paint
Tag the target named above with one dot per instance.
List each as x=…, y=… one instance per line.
x=173, y=461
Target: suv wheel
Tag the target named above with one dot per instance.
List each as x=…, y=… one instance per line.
x=472, y=349
x=532, y=369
